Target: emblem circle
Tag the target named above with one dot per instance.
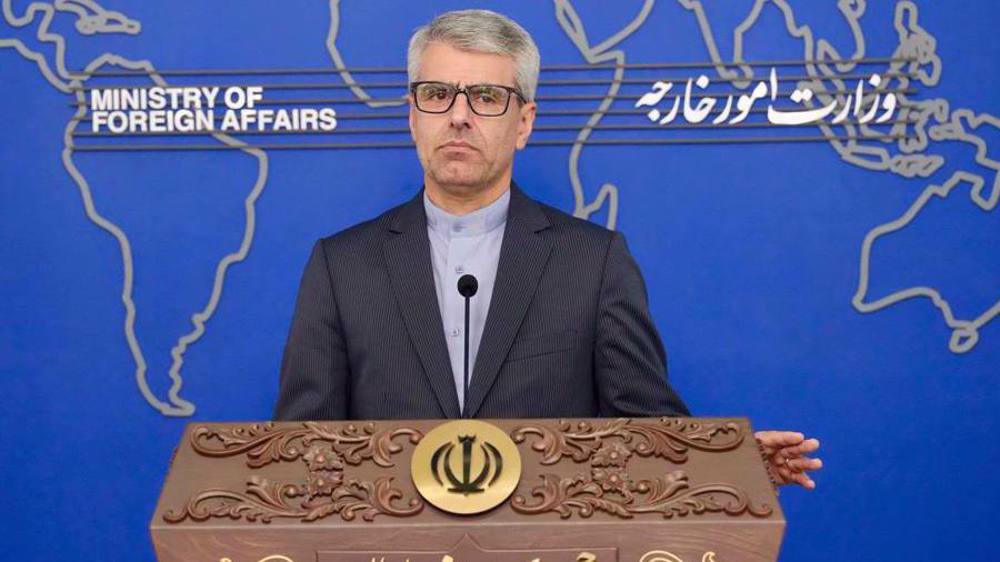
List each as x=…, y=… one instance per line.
x=443, y=442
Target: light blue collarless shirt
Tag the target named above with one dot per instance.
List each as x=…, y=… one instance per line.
x=459, y=245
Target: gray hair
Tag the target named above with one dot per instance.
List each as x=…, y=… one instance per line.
x=481, y=31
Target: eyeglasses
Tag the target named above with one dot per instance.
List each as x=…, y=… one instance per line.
x=487, y=100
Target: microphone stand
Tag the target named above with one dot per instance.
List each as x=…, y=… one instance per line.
x=467, y=287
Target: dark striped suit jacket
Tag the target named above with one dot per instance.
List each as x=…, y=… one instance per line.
x=568, y=332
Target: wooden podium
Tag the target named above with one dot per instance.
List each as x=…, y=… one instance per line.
x=544, y=490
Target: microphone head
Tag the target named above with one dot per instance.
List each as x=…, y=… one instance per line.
x=467, y=285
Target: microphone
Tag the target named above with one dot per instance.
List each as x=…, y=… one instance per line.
x=467, y=287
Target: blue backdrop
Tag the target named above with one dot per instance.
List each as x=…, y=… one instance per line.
x=846, y=288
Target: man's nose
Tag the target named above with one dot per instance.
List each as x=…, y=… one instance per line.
x=460, y=113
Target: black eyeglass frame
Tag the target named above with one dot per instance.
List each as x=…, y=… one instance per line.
x=468, y=100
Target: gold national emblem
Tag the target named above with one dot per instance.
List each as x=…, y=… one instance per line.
x=466, y=466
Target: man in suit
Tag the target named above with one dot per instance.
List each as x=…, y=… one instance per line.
x=559, y=325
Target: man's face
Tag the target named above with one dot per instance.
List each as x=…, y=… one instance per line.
x=463, y=152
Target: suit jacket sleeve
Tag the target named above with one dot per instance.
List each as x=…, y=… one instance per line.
x=315, y=375
x=630, y=362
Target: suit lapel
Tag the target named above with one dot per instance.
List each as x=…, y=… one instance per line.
x=523, y=254
x=407, y=254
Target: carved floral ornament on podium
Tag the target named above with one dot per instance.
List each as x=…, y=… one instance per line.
x=602, y=452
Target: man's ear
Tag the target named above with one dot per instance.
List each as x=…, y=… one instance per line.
x=526, y=123
x=411, y=115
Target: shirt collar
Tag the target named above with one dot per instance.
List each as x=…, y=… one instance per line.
x=475, y=223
